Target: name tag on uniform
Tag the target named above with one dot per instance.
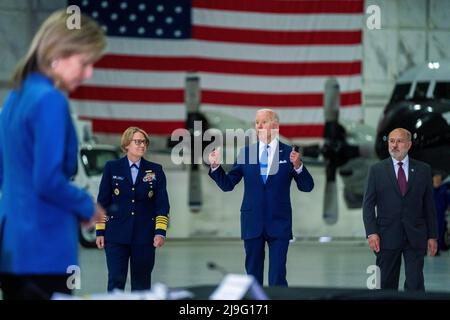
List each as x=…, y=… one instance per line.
x=283, y=161
x=118, y=178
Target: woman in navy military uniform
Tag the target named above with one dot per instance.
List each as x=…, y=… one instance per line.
x=133, y=192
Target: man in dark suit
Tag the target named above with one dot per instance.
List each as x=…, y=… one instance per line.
x=268, y=167
x=405, y=220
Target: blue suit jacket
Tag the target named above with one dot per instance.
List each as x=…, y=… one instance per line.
x=132, y=209
x=265, y=206
x=412, y=216
x=40, y=208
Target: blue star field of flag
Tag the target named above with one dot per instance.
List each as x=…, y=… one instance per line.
x=140, y=19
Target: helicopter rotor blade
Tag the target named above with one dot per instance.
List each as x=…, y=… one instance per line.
x=330, y=199
x=332, y=142
x=195, y=188
x=192, y=99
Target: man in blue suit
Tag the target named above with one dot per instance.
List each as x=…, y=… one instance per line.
x=268, y=167
x=399, y=214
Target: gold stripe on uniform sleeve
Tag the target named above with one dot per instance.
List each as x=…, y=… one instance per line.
x=100, y=226
x=161, y=222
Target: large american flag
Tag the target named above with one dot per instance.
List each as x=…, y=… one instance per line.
x=249, y=54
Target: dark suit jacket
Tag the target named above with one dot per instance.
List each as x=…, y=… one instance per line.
x=412, y=216
x=132, y=209
x=267, y=205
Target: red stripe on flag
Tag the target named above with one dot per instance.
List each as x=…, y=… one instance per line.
x=127, y=94
x=276, y=37
x=146, y=63
x=274, y=100
x=291, y=7
x=302, y=131
x=167, y=127
x=209, y=97
x=119, y=126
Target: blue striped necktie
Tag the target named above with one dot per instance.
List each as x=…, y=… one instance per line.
x=264, y=163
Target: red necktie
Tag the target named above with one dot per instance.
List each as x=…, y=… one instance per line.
x=401, y=179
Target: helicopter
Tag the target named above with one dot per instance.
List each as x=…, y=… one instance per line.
x=420, y=103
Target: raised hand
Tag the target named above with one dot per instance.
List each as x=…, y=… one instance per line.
x=295, y=157
x=214, y=158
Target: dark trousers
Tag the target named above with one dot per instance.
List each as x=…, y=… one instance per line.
x=33, y=287
x=141, y=258
x=390, y=262
x=254, y=259
x=442, y=227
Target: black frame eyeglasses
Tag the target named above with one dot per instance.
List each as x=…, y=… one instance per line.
x=138, y=142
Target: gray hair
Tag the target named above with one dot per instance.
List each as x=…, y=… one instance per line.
x=275, y=117
x=406, y=132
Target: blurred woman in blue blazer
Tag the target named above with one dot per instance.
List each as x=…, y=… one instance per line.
x=40, y=208
x=133, y=192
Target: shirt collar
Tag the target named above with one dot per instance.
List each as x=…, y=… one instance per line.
x=272, y=145
x=405, y=161
x=130, y=163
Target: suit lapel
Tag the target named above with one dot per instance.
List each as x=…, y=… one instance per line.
x=279, y=152
x=389, y=164
x=144, y=166
x=256, y=168
x=411, y=174
x=127, y=170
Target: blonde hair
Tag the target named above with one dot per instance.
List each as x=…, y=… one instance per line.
x=127, y=136
x=55, y=40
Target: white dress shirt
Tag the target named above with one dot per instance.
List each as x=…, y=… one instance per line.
x=405, y=166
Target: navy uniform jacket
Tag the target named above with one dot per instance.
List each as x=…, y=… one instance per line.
x=135, y=213
x=412, y=216
x=265, y=206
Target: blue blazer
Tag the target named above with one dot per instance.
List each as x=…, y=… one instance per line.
x=40, y=208
x=132, y=209
x=412, y=216
x=265, y=206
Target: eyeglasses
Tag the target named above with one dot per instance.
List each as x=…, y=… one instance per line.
x=138, y=142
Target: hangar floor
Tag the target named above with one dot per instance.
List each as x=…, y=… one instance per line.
x=336, y=264
x=211, y=235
